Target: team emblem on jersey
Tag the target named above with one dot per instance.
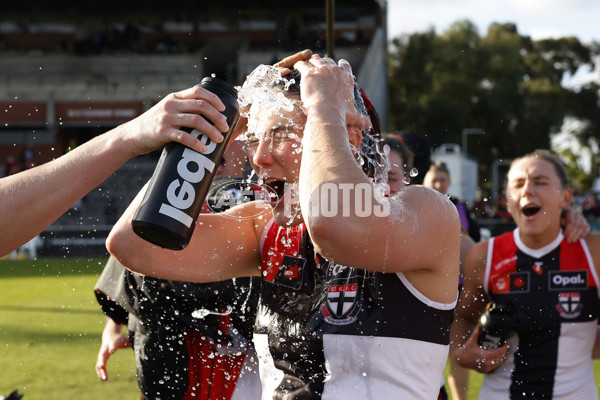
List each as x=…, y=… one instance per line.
x=342, y=303
x=569, y=305
x=517, y=282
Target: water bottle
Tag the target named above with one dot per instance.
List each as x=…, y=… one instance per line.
x=176, y=192
x=496, y=323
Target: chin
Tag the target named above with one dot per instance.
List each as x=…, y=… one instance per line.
x=286, y=217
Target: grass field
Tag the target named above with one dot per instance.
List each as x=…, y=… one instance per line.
x=50, y=328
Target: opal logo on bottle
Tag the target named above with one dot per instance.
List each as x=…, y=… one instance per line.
x=191, y=169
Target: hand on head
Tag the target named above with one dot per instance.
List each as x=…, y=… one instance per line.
x=284, y=66
x=329, y=88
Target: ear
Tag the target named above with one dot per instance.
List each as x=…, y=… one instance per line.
x=567, y=198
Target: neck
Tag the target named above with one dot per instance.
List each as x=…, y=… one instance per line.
x=537, y=241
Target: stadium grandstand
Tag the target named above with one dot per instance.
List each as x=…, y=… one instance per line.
x=70, y=71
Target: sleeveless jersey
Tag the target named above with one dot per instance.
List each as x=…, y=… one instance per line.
x=554, y=297
x=329, y=331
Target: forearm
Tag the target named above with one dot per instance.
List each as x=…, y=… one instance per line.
x=327, y=157
x=35, y=198
x=111, y=329
x=330, y=174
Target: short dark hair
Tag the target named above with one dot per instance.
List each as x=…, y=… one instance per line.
x=397, y=144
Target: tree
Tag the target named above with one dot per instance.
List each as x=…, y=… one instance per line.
x=504, y=83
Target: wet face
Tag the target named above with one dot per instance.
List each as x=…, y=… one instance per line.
x=535, y=197
x=396, y=175
x=275, y=150
x=437, y=180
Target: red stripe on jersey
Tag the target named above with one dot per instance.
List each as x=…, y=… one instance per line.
x=573, y=258
x=504, y=262
x=280, y=242
x=212, y=373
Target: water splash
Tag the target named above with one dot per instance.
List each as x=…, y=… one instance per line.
x=261, y=88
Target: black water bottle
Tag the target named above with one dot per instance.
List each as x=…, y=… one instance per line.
x=176, y=192
x=497, y=321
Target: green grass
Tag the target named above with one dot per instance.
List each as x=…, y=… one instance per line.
x=50, y=328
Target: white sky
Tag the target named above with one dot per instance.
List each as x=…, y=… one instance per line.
x=536, y=18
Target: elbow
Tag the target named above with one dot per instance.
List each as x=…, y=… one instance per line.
x=331, y=237
x=112, y=245
x=118, y=248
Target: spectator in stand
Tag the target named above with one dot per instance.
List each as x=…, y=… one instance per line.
x=482, y=209
x=500, y=211
x=591, y=208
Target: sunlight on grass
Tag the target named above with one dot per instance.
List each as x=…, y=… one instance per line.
x=50, y=333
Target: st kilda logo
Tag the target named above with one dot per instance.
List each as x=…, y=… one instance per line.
x=344, y=299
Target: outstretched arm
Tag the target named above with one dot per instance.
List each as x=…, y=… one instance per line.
x=33, y=199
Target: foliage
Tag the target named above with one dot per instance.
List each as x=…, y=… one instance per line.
x=504, y=83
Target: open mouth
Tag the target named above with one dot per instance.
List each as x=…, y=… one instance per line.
x=530, y=210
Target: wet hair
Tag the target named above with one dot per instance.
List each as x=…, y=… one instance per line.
x=397, y=145
x=546, y=155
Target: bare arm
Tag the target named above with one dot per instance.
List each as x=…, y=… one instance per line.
x=33, y=199
x=223, y=246
x=465, y=328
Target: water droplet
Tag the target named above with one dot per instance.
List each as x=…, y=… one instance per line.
x=414, y=172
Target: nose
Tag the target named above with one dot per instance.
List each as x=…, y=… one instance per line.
x=527, y=186
x=262, y=155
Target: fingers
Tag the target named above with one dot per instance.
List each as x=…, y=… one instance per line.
x=194, y=108
x=198, y=92
x=575, y=226
x=101, y=364
x=345, y=65
x=574, y=233
x=289, y=61
x=199, y=101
